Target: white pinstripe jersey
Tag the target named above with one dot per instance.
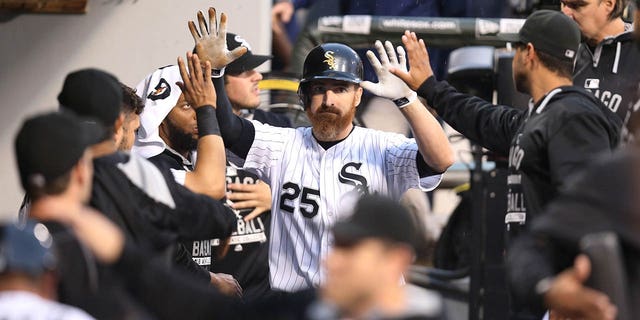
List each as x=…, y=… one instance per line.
x=312, y=188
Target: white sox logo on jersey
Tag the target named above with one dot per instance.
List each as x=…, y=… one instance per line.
x=356, y=180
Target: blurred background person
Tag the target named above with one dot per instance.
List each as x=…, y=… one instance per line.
x=606, y=62
x=27, y=281
x=55, y=166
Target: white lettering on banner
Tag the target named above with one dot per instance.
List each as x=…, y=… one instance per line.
x=511, y=25
x=330, y=24
x=359, y=24
x=485, y=27
x=416, y=25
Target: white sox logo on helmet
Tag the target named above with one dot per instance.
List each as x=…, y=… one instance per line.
x=330, y=60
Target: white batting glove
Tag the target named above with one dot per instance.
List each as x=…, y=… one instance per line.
x=389, y=86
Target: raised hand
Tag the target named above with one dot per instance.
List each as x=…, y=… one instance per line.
x=211, y=41
x=418, y=60
x=196, y=86
x=388, y=86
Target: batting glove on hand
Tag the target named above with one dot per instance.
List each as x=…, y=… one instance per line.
x=211, y=42
x=389, y=86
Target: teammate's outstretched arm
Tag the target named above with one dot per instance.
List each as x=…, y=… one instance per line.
x=209, y=171
x=211, y=45
x=432, y=141
x=481, y=121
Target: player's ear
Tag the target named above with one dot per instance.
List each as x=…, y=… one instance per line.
x=609, y=5
x=118, y=132
x=358, y=96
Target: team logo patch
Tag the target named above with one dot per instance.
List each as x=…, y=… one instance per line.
x=569, y=53
x=592, y=83
x=161, y=91
x=330, y=60
x=242, y=42
x=359, y=182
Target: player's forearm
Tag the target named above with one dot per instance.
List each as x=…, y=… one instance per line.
x=432, y=141
x=492, y=126
x=237, y=133
x=208, y=176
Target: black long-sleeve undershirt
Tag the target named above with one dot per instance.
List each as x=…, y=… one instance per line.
x=237, y=133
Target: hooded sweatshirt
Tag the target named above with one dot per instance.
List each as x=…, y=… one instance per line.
x=611, y=72
x=545, y=144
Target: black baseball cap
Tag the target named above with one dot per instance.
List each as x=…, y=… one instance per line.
x=551, y=32
x=48, y=145
x=92, y=93
x=248, y=61
x=376, y=217
x=25, y=249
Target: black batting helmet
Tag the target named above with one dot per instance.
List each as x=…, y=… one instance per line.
x=334, y=61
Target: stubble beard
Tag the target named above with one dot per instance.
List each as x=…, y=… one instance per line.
x=521, y=82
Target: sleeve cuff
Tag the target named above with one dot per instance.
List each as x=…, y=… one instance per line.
x=217, y=73
x=429, y=89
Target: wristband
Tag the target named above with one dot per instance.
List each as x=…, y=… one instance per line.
x=217, y=73
x=207, y=121
x=405, y=101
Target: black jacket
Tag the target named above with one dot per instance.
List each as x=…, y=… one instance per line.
x=611, y=71
x=87, y=284
x=558, y=135
x=146, y=214
x=602, y=198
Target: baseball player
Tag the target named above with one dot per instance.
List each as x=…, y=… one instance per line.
x=247, y=257
x=564, y=128
x=317, y=173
